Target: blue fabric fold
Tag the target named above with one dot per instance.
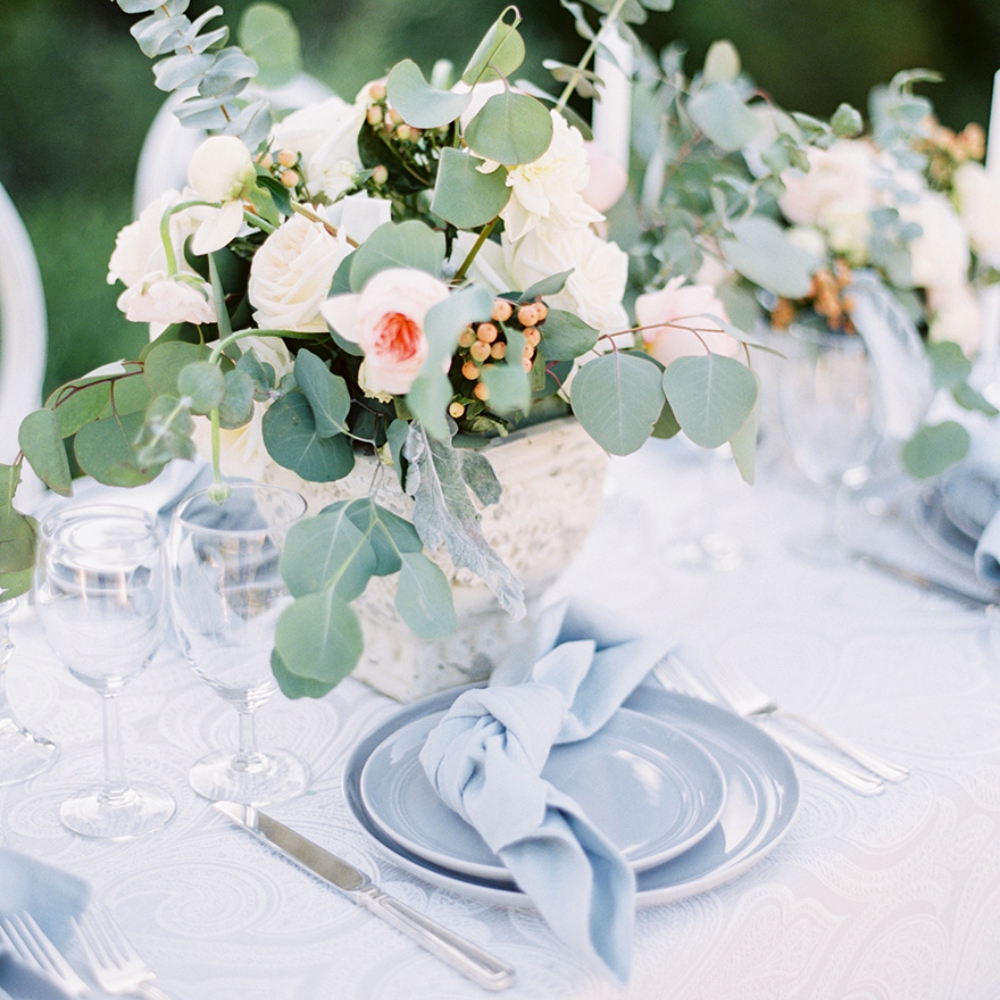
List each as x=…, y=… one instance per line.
x=50, y=895
x=486, y=755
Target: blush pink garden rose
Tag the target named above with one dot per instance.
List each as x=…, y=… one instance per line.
x=669, y=315
x=162, y=301
x=386, y=320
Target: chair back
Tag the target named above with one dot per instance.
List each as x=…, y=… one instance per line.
x=23, y=337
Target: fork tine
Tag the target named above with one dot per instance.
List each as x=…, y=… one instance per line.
x=32, y=945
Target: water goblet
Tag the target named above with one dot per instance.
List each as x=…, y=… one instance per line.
x=99, y=590
x=227, y=594
x=831, y=413
x=23, y=754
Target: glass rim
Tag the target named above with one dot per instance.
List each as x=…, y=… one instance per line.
x=111, y=511
x=177, y=518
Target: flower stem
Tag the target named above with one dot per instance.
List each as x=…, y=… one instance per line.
x=571, y=84
x=476, y=247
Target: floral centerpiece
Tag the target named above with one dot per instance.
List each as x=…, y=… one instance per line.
x=410, y=274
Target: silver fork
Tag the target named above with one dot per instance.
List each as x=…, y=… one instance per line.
x=31, y=946
x=116, y=965
x=672, y=673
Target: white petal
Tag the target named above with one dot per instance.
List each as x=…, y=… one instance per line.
x=219, y=229
x=341, y=312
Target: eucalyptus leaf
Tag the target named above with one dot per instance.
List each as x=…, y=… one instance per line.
x=666, y=425
x=971, y=399
x=165, y=362
x=711, y=396
x=618, y=398
x=319, y=638
x=949, y=365
x=261, y=375
x=566, y=336
x=328, y=550
x=552, y=284
x=129, y=394
x=933, y=449
x=446, y=320
x=78, y=403
x=388, y=534
x=106, y=450
x=166, y=432
x=718, y=110
x=762, y=252
x=500, y=52
x=510, y=129
x=404, y=244
x=293, y=686
x=420, y=104
x=269, y=36
x=328, y=395
x=203, y=383
x=744, y=442
x=292, y=440
x=423, y=598
x=428, y=401
x=228, y=75
x=40, y=440
x=464, y=195
x=509, y=388
x=396, y=435
x=236, y=407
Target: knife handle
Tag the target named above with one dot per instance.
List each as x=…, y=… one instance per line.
x=480, y=966
x=855, y=780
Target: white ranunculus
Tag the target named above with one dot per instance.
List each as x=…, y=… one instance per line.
x=241, y=449
x=978, y=195
x=291, y=274
x=956, y=315
x=326, y=136
x=386, y=320
x=155, y=298
x=139, y=246
x=670, y=315
x=550, y=189
x=841, y=183
x=221, y=168
x=940, y=255
x=595, y=289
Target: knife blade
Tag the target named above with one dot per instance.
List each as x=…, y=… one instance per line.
x=970, y=600
x=472, y=961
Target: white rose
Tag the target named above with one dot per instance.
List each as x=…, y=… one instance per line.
x=291, y=274
x=978, y=195
x=550, y=189
x=164, y=301
x=386, y=320
x=595, y=289
x=670, y=316
x=326, y=136
x=139, y=246
x=241, y=449
x=841, y=182
x=221, y=168
x=940, y=255
x=957, y=316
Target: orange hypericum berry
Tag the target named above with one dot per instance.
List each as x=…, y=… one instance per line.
x=290, y=178
x=377, y=91
x=532, y=336
x=527, y=363
x=375, y=115
x=480, y=351
x=528, y=315
x=266, y=161
x=481, y=392
x=498, y=350
x=502, y=310
x=467, y=337
x=487, y=332
x=287, y=158
x=543, y=311
x=404, y=132
x=456, y=409
x=380, y=175
x=470, y=370
x=395, y=117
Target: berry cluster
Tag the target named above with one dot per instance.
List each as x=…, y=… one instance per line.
x=414, y=147
x=482, y=345
x=828, y=296
x=283, y=165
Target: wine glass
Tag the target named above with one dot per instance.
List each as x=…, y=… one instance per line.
x=23, y=754
x=99, y=589
x=227, y=593
x=831, y=413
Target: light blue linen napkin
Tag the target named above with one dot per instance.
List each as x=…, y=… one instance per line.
x=50, y=895
x=485, y=758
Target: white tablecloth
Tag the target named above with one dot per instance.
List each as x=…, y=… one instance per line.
x=889, y=898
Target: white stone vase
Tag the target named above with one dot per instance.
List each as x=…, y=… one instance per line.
x=553, y=478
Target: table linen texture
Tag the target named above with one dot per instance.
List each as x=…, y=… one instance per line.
x=894, y=897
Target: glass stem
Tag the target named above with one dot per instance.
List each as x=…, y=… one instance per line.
x=831, y=499
x=248, y=757
x=6, y=651
x=114, y=759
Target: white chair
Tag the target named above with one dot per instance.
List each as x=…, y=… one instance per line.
x=23, y=335
x=169, y=146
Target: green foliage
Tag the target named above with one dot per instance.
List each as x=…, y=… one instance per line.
x=934, y=448
x=510, y=129
x=499, y=54
x=711, y=396
x=270, y=38
x=464, y=195
x=406, y=244
x=418, y=102
x=42, y=445
x=293, y=440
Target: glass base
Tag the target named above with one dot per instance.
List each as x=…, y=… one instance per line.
x=23, y=754
x=254, y=780
x=117, y=815
x=713, y=551
x=821, y=549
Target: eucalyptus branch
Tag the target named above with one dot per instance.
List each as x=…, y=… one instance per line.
x=577, y=76
x=476, y=247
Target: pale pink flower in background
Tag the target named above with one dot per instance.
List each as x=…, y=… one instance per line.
x=164, y=301
x=669, y=315
x=386, y=320
x=608, y=178
x=840, y=181
x=939, y=257
x=956, y=315
x=291, y=274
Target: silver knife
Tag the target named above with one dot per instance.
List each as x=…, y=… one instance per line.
x=480, y=966
x=965, y=597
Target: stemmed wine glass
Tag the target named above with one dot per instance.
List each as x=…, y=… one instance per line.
x=227, y=593
x=99, y=589
x=23, y=754
x=831, y=413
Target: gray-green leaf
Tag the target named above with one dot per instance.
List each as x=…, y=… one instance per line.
x=328, y=550
x=711, y=396
x=204, y=384
x=719, y=111
x=327, y=394
x=933, y=449
x=269, y=36
x=403, y=244
x=291, y=439
x=423, y=598
x=319, y=638
x=510, y=128
x=40, y=440
x=499, y=54
x=420, y=104
x=463, y=195
x=762, y=252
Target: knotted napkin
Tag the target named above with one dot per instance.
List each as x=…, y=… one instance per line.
x=486, y=755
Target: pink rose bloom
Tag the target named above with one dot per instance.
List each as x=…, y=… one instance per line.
x=386, y=320
x=608, y=178
x=669, y=315
x=164, y=301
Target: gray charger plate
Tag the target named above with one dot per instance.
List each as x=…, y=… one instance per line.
x=762, y=797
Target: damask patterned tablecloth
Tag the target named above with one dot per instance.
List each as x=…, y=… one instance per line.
x=895, y=897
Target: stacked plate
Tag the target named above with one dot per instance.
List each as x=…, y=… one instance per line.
x=952, y=515
x=691, y=794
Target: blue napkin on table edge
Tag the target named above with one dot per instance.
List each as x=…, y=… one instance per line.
x=50, y=895
x=561, y=685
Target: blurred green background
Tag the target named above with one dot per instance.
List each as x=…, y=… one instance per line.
x=77, y=95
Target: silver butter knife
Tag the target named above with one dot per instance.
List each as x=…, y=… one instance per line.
x=970, y=600
x=480, y=966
